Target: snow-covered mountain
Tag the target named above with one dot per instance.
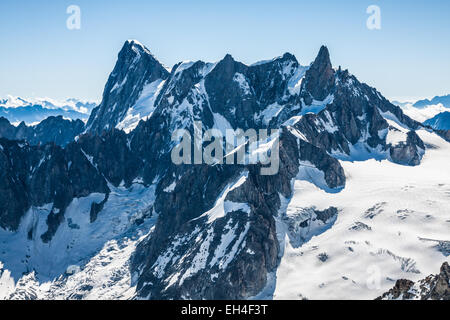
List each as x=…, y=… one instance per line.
x=131, y=90
x=111, y=216
x=32, y=111
x=440, y=121
x=426, y=109
x=444, y=100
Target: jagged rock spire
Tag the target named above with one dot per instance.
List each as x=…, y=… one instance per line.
x=319, y=79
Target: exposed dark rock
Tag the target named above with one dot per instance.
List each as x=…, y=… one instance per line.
x=334, y=173
x=112, y=156
x=323, y=257
x=51, y=130
x=319, y=80
x=307, y=223
x=401, y=289
x=326, y=214
x=135, y=68
x=433, y=287
x=180, y=223
x=38, y=175
x=374, y=211
x=408, y=153
x=97, y=207
x=357, y=226
x=352, y=117
x=445, y=134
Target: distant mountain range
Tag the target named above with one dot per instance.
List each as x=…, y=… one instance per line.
x=425, y=109
x=32, y=111
x=444, y=100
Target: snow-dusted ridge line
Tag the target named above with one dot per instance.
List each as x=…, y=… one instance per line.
x=67, y=104
x=34, y=110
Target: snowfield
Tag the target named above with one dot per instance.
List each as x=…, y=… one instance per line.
x=84, y=260
x=393, y=222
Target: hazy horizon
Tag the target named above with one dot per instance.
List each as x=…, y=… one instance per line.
x=405, y=60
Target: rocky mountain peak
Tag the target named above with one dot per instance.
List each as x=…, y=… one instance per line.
x=319, y=79
x=133, y=50
x=323, y=58
x=136, y=44
x=289, y=57
x=228, y=57
x=132, y=56
x=135, y=68
x=229, y=66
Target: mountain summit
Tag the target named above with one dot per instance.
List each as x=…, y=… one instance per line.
x=319, y=79
x=136, y=71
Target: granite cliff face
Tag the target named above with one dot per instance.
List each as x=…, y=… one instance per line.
x=320, y=79
x=215, y=236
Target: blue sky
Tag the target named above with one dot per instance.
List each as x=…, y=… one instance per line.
x=39, y=57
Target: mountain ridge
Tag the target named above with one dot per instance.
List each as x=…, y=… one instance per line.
x=444, y=100
x=218, y=237
x=53, y=129
x=440, y=122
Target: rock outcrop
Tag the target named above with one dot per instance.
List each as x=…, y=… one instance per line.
x=410, y=152
x=320, y=78
x=39, y=175
x=433, y=287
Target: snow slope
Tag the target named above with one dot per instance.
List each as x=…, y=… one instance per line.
x=97, y=252
x=393, y=223
x=143, y=108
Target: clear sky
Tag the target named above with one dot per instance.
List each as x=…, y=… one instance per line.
x=39, y=57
